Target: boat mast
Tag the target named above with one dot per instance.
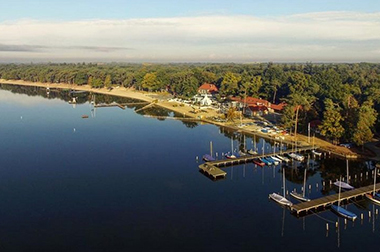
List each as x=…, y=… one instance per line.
x=211, y=148
x=374, y=183
x=283, y=180
x=347, y=170
x=304, y=184
x=340, y=180
x=232, y=146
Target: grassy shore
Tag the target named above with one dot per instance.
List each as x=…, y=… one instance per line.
x=188, y=111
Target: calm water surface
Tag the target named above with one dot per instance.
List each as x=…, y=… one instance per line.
x=119, y=181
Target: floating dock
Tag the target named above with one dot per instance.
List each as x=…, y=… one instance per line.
x=212, y=171
x=322, y=203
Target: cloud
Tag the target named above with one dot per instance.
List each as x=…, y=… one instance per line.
x=322, y=36
x=19, y=48
x=40, y=48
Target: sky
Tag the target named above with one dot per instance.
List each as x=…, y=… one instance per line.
x=239, y=31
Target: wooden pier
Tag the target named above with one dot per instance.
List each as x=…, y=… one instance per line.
x=250, y=158
x=322, y=203
x=212, y=168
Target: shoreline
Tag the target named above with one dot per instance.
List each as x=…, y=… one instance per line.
x=188, y=111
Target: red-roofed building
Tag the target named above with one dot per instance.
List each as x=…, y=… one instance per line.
x=252, y=102
x=256, y=110
x=208, y=88
x=278, y=107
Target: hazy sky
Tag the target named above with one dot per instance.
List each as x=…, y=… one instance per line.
x=190, y=31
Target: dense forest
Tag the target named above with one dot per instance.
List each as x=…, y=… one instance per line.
x=345, y=98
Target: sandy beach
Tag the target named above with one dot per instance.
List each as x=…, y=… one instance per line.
x=159, y=100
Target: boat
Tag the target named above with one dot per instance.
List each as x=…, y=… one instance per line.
x=229, y=155
x=300, y=196
x=84, y=116
x=267, y=162
x=279, y=198
x=276, y=158
x=344, y=185
x=296, y=157
x=208, y=158
x=285, y=159
x=272, y=160
x=373, y=196
x=258, y=162
x=342, y=211
x=251, y=152
x=316, y=153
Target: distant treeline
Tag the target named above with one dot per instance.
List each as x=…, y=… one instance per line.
x=344, y=97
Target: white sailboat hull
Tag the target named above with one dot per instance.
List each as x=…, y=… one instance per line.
x=280, y=199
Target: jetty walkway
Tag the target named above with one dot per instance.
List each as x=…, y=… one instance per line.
x=212, y=168
x=321, y=203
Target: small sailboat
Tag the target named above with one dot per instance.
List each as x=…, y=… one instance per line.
x=258, y=162
x=279, y=198
x=230, y=155
x=342, y=211
x=374, y=197
x=302, y=196
x=209, y=157
x=266, y=161
x=285, y=159
x=252, y=152
x=344, y=185
x=297, y=157
x=270, y=159
x=316, y=153
x=276, y=159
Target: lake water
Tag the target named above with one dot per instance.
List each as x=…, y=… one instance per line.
x=119, y=181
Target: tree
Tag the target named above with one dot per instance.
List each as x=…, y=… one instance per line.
x=89, y=81
x=107, y=81
x=230, y=83
x=301, y=97
x=366, y=120
x=331, y=126
x=150, y=82
x=231, y=114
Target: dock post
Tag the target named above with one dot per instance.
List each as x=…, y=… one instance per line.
x=336, y=224
x=361, y=216
x=369, y=214
x=327, y=226
x=345, y=221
